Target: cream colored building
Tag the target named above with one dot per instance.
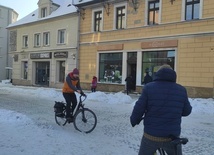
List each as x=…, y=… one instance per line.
x=7, y=16
x=119, y=38
x=44, y=44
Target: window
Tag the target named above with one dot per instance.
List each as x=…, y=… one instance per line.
x=24, y=69
x=46, y=38
x=37, y=40
x=153, y=12
x=154, y=59
x=61, y=71
x=120, y=17
x=192, y=9
x=110, y=67
x=25, y=41
x=97, y=21
x=61, y=36
x=43, y=12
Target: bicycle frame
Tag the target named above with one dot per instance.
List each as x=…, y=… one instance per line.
x=80, y=104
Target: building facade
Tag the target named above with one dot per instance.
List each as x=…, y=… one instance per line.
x=44, y=44
x=120, y=38
x=7, y=16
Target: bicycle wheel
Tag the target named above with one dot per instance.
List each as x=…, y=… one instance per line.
x=60, y=119
x=85, y=120
x=160, y=151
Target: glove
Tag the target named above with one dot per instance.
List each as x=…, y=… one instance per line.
x=83, y=94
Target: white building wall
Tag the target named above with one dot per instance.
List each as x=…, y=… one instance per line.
x=7, y=16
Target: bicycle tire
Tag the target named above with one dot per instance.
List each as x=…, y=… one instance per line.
x=85, y=120
x=61, y=120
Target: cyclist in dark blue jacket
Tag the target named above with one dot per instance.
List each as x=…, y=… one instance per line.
x=162, y=104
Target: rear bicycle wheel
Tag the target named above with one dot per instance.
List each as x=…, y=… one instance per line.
x=85, y=120
x=160, y=151
x=60, y=119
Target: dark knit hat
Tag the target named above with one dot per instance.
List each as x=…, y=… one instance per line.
x=76, y=71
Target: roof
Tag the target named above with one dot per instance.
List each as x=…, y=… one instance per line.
x=66, y=7
x=80, y=3
x=8, y=8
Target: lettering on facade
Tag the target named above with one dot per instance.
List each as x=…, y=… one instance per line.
x=40, y=55
x=159, y=44
x=60, y=54
x=110, y=47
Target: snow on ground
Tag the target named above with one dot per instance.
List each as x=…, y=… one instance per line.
x=28, y=127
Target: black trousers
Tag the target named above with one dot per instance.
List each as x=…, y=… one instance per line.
x=70, y=98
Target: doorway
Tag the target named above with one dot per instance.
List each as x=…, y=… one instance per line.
x=131, y=68
x=42, y=73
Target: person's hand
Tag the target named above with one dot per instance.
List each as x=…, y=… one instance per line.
x=83, y=94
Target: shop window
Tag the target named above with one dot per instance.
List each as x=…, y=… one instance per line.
x=192, y=9
x=24, y=69
x=152, y=60
x=110, y=67
x=153, y=12
x=61, y=71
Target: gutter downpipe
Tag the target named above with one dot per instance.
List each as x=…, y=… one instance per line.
x=78, y=40
x=78, y=36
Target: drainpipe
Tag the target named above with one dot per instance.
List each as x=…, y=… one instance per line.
x=78, y=36
x=7, y=48
x=78, y=41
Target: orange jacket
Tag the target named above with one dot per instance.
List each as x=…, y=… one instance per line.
x=71, y=84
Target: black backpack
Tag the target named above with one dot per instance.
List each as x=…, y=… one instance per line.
x=59, y=108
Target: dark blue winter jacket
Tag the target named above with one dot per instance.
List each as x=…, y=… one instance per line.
x=162, y=104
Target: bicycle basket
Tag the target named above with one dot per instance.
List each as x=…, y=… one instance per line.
x=59, y=107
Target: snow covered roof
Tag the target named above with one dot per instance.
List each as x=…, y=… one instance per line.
x=66, y=7
x=85, y=2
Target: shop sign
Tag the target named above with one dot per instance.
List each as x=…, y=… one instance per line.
x=60, y=54
x=40, y=55
x=159, y=44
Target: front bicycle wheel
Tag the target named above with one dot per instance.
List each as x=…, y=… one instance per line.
x=85, y=120
x=60, y=119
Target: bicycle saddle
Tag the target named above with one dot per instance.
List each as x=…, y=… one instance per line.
x=180, y=141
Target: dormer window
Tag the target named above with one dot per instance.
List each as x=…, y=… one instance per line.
x=43, y=12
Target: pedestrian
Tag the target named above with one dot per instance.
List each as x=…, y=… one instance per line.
x=161, y=106
x=71, y=85
x=147, y=77
x=94, y=84
x=128, y=84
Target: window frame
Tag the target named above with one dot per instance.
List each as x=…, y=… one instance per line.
x=25, y=41
x=183, y=13
x=43, y=12
x=115, y=16
x=37, y=40
x=94, y=22
x=46, y=39
x=60, y=38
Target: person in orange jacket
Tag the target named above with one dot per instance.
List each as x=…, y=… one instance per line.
x=71, y=85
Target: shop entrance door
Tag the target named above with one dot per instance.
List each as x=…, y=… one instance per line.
x=42, y=73
x=131, y=68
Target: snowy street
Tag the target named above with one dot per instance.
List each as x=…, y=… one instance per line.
x=28, y=126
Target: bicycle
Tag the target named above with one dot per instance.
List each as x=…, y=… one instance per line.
x=84, y=119
x=177, y=142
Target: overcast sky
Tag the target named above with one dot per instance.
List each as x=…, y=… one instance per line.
x=22, y=7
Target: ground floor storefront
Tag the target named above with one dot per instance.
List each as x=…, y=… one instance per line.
x=46, y=69
x=191, y=57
